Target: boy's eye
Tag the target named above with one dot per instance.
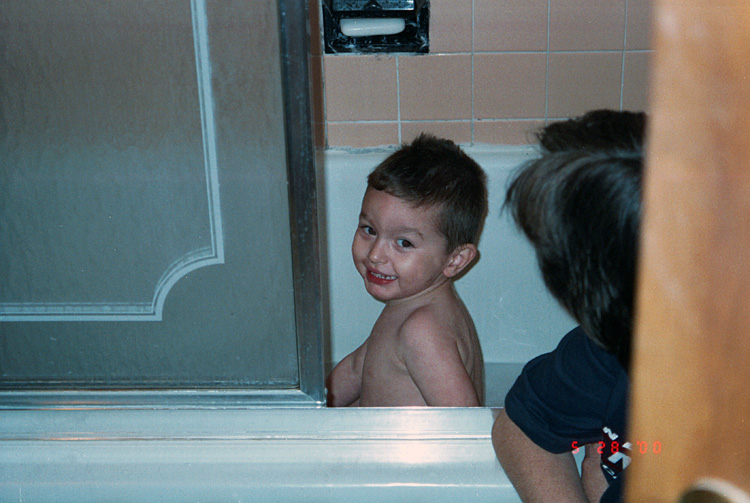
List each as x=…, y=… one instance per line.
x=403, y=243
x=368, y=230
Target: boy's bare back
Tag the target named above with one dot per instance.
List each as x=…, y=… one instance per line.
x=421, y=352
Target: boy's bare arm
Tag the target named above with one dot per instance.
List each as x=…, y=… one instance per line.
x=537, y=475
x=434, y=364
x=344, y=383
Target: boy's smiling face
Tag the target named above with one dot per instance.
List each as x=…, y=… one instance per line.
x=397, y=248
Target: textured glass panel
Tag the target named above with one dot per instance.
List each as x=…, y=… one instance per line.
x=144, y=228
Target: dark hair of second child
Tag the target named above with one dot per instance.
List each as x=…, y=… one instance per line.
x=580, y=206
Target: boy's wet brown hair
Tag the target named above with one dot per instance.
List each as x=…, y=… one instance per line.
x=435, y=171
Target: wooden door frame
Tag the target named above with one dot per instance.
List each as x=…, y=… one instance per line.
x=692, y=349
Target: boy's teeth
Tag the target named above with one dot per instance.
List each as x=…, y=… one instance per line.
x=383, y=276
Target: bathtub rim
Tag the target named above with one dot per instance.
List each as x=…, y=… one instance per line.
x=261, y=454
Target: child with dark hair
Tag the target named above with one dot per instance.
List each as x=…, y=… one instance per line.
x=421, y=218
x=580, y=205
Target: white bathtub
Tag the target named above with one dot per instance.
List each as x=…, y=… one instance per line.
x=257, y=455
x=310, y=455
x=514, y=314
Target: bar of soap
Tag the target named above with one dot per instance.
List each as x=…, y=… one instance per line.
x=367, y=27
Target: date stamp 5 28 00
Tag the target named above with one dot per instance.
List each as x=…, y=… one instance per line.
x=614, y=447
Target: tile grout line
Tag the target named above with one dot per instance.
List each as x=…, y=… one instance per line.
x=624, y=47
x=473, y=50
x=546, y=71
x=398, y=100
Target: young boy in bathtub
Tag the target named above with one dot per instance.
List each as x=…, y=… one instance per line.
x=420, y=222
x=579, y=204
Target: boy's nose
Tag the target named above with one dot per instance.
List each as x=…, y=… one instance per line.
x=377, y=253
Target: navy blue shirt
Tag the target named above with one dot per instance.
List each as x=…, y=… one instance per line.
x=573, y=396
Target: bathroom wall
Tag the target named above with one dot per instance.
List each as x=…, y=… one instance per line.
x=496, y=70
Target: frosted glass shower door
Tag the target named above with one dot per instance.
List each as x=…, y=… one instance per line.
x=145, y=238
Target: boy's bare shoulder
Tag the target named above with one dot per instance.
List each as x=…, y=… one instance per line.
x=429, y=322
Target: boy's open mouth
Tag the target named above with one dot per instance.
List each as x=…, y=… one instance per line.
x=378, y=278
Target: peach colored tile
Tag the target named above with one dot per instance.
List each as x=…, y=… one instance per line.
x=435, y=87
x=512, y=132
x=587, y=25
x=639, y=24
x=450, y=26
x=458, y=131
x=579, y=82
x=636, y=81
x=362, y=134
x=509, y=86
x=360, y=88
x=510, y=25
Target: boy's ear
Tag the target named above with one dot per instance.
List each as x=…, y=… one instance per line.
x=460, y=258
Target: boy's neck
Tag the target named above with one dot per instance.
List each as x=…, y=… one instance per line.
x=426, y=295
